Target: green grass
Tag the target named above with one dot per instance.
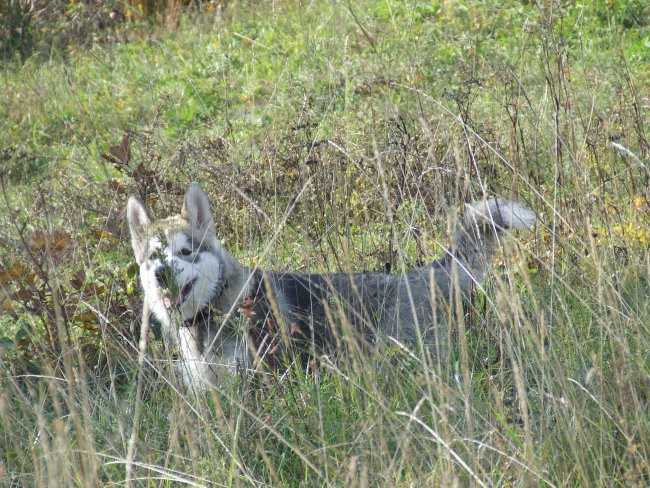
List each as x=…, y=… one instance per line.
x=325, y=134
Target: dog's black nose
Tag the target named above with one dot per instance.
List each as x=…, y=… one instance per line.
x=163, y=276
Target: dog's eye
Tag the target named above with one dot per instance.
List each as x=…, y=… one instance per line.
x=186, y=251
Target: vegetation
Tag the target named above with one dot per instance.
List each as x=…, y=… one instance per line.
x=330, y=135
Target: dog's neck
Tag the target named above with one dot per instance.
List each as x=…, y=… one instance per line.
x=226, y=300
x=238, y=281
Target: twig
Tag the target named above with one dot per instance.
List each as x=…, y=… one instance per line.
x=629, y=154
x=130, y=456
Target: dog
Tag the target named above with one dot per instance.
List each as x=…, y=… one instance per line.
x=222, y=316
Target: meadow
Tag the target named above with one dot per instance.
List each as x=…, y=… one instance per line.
x=330, y=135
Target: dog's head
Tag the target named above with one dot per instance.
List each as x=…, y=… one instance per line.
x=181, y=268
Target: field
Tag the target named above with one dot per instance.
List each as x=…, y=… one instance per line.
x=330, y=135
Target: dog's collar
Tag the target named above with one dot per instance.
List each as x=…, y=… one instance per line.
x=204, y=315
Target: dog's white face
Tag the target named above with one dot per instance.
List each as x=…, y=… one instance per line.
x=179, y=276
x=181, y=269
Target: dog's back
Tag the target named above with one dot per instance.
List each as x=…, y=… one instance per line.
x=405, y=306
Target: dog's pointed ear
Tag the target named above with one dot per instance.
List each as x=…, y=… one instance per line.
x=138, y=218
x=196, y=209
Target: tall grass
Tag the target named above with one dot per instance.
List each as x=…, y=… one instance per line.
x=337, y=136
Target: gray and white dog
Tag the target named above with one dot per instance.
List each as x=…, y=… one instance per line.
x=196, y=289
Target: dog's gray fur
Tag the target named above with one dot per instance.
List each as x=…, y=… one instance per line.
x=194, y=286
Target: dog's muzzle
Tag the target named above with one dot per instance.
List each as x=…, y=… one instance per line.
x=164, y=276
x=174, y=293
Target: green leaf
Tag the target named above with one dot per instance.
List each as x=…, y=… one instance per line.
x=21, y=333
x=132, y=270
